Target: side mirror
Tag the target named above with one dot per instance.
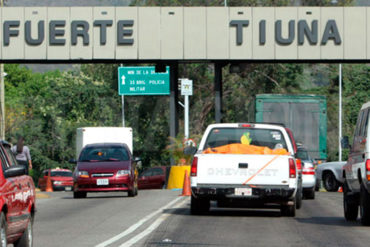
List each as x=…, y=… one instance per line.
x=15, y=171
x=345, y=142
x=138, y=162
x=73, y=161
x=190, y=150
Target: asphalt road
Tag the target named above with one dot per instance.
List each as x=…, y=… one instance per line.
x=148, y=220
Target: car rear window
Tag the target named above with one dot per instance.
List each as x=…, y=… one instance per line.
x=270, y=138
x=106, y=153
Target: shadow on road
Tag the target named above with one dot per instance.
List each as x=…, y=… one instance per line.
x=328, y=221
x=97, y=197
x=230, y=212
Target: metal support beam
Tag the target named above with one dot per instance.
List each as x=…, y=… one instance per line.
x=174, y=98
x=218, y=92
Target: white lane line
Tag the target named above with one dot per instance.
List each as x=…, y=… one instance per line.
x=151, y=228
x=137, y=225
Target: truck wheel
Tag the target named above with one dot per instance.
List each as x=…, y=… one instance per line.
x=330, y=182
x=350, y=204
x=26, y=239
x=299, y=197
x=79, y=194
x=199, y=206
x=310, y=194
x=364, y=206
x=3, y=226
x=288, y=210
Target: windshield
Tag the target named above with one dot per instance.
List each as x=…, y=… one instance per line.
x=259, y=137
x=106, y=153
x=61, y=174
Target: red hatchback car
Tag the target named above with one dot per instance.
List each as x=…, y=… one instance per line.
x=61, y=179
x=17, y=201
x=105, y=167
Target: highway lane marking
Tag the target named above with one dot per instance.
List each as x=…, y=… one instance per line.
x=137, y=225
x=151, y=228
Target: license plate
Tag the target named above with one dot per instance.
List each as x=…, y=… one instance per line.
x=243, y=191
x=69, y=188
x=102, y=181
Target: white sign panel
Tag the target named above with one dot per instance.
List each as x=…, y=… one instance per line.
x=186, y=87
x=185, y=33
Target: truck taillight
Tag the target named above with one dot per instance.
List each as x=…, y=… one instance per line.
x=368, y=169
x=292, y=169
x=194, y=167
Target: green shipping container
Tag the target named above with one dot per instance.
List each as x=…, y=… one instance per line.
x=305, y=115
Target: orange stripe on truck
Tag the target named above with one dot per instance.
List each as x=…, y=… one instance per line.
x=268, y=163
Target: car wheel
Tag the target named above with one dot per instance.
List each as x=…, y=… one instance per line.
x=364, y=206
x=3, y=227
x=79, y=194
x=298, y=200
x=199, y=206
x=310, y=194
x=288, y=210
x=330, y=182
x=26, y=239
x=131, y=193
x=350, y=204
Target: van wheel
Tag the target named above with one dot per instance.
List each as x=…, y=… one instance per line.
x=330, y=182
x=199, y=206
x=350, y=204
x=364, y=206
x=3, y=227
x=79, y=194
x=27, y=239
x=288, y=210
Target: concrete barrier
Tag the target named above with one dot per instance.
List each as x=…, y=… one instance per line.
x=176, y=178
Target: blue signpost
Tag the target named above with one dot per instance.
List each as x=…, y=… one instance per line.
x=143, y=81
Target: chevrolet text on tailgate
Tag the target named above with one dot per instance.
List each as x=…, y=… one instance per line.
x=244, y=164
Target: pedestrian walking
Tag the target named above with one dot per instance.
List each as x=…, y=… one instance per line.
x=22, y=154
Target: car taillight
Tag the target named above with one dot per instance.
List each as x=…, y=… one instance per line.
x=292, y=169
x=194, y=167
x=308, y=171
x=299, y=165
x=368, y=169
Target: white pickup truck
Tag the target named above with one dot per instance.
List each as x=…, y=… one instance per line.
x=246, y=164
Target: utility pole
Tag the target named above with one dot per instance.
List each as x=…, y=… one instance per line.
x=2, y=96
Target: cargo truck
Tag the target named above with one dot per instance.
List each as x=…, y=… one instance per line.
x=305, y=115
x=89, y=135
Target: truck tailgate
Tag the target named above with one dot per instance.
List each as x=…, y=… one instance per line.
x=237, y=169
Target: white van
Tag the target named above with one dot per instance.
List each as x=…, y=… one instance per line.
x=356, y=172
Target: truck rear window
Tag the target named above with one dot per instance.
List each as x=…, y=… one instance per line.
x=272, y=139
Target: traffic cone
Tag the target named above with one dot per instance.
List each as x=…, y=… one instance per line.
x=49, y=186
x=340, y=189
x=186, y=191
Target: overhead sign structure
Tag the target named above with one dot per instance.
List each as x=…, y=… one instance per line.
x=143, y=81
x=185, y=33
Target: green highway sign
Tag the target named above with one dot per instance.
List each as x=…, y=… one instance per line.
x=143, y=81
